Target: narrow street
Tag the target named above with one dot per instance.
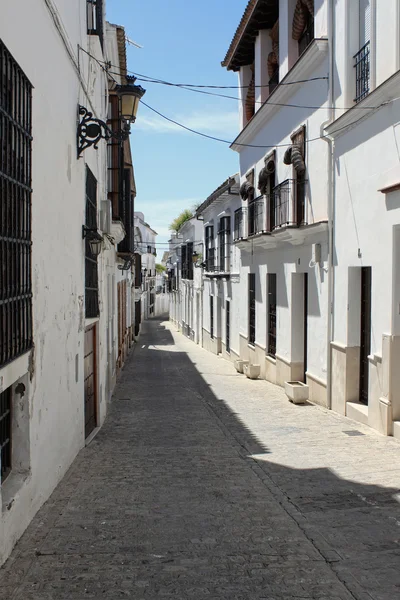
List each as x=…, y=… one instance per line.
x=203, y=484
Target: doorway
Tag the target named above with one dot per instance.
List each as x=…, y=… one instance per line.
x=365, y=332
x=90, y=380
x=305, y=324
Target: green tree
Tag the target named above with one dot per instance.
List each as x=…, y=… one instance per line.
x=160, y=268
x=180, y=220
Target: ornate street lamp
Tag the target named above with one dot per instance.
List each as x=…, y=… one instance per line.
x=91, y=130
x=94, y=238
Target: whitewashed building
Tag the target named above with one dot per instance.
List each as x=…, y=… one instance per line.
x=281, y=54
x=185, y=278
x=59, y=316
x=145, y=266
x=364, y=138
x=221, y=271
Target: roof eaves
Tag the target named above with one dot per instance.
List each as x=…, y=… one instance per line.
x=251, y=6
x=226, y=185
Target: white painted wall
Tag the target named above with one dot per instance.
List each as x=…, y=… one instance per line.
x=54, y=390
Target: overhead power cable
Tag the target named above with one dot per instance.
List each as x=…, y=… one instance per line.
x=191, y=88
x=216, y=139
x=141, y=77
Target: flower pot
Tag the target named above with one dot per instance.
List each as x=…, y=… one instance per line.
x=239, y=364
x=252, y=371
x=296, y=391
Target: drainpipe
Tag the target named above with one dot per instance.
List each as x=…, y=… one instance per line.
x=331, y=198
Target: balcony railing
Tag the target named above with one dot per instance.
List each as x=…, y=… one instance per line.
x=362, y=67
x=257, y=220
x=289, y=203
x=210, y=260
x=238, y=231
x=307, y=35
x=274, y=81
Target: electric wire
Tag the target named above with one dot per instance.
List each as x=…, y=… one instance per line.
x=230, y=143
x=140, y=77
x=191, y=88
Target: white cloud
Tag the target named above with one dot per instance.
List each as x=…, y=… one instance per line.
x=210, y=122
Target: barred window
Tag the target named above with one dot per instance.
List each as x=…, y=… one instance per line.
x=91, y=273
x=224, y=243
x=210, y=251
x=15, y=209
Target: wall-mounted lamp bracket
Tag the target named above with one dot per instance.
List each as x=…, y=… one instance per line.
x=91, y=130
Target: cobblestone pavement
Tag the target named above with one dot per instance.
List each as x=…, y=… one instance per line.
x=203, y=484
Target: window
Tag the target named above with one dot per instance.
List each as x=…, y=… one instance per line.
x=362, y=58
x=5, y=433
x=299, y=140
x=184, y=261
x=303, y=24
x=15, y=209
x=252, y=308
x=212, y=317
x=239, y=224
x=115, y=159
x=271, y=316
x=187, y=261
x=91, y=273
x=210, y=251
x=228, y=326
x=95, y=18
x=224, y=243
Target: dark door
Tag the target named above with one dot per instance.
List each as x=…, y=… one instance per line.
x=305, y=333
x=228, y=326
x=138, y=316
x=90, y=380
x=365, y=337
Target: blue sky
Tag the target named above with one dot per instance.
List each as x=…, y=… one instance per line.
x=183, y=41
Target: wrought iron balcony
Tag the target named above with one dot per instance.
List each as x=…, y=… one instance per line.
x=210, y=260
x=239, y=231
x=288, y=204
x=257, y=222
x=363, y=71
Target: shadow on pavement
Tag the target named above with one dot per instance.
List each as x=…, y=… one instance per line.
x=177, y=498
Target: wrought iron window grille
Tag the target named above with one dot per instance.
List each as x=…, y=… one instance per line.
x=15, y=209
x=363, y=72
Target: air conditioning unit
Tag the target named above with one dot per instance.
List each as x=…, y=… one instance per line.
x=105, y=216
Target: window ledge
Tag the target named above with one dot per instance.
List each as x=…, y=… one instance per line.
x=14, y=370
x=387, y=91
x=315, y=53
x=10, y=488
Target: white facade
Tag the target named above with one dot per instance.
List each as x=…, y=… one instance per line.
x=365, y=348
x=284, y=224
x=46, y=383
x=145, y=247
x=222, y=285
x=185, y=279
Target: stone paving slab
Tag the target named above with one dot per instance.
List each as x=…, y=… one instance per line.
x=203, y=484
